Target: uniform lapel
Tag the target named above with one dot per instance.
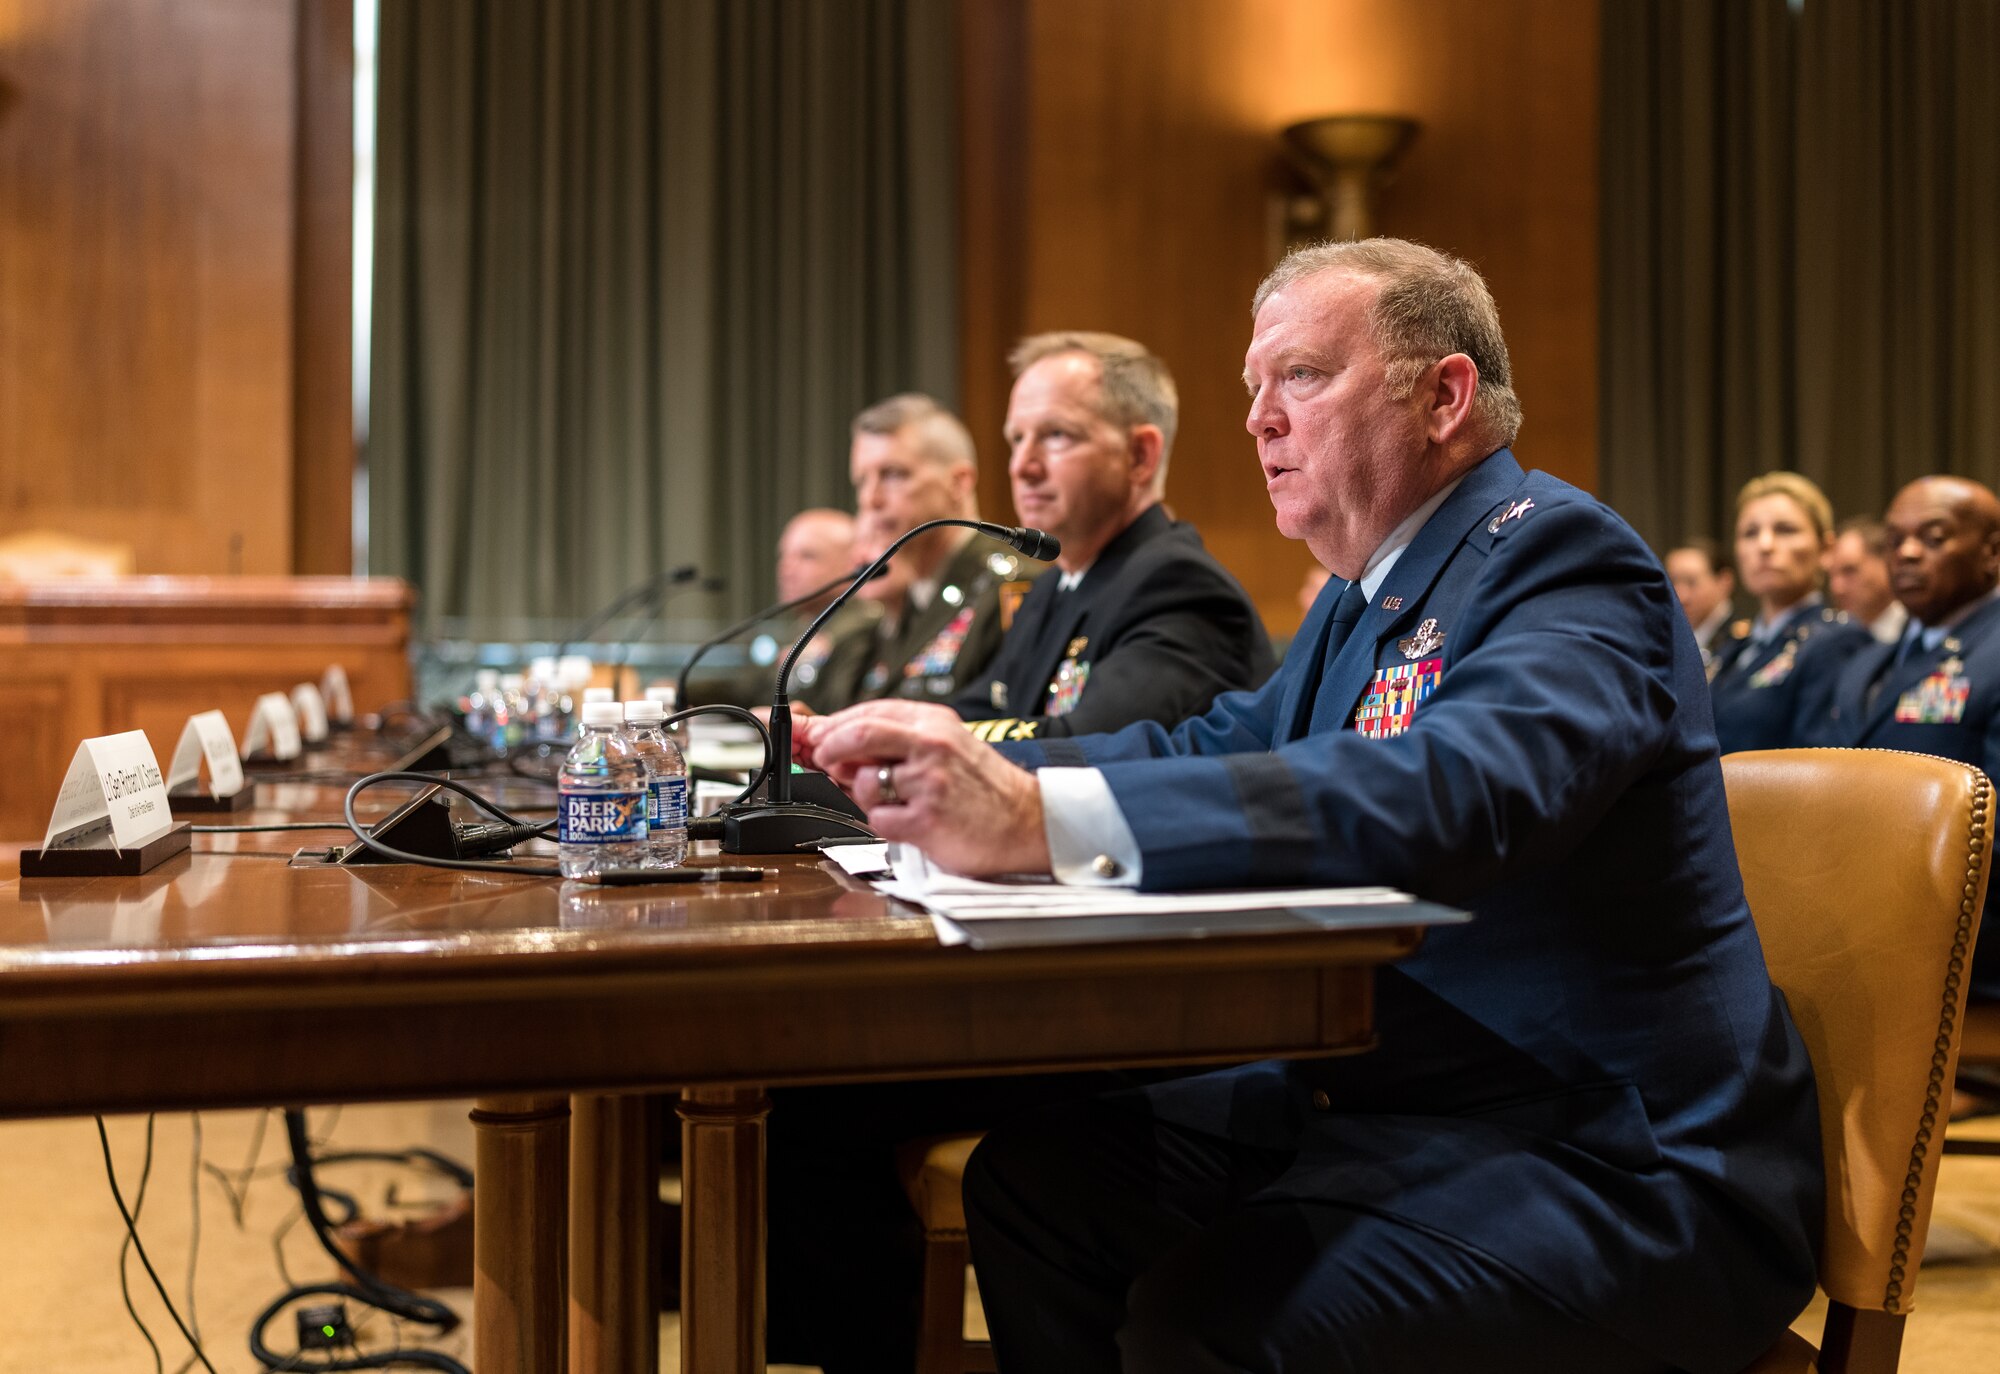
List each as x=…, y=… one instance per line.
x=1068, y=612
x=1921, y=664
x=1409, y=583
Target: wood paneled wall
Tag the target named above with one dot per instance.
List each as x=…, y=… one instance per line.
x=175, y=183
x=1118, y=156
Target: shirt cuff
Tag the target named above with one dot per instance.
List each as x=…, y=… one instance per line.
x=1090, y=843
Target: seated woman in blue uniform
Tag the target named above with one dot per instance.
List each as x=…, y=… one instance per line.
x=1774, y=676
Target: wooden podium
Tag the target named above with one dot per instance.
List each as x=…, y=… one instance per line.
x=94, y=656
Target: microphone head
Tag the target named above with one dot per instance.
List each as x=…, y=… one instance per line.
x=686, y=572
x=1036, y=544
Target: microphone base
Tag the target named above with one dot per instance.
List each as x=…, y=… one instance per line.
x=784, y=827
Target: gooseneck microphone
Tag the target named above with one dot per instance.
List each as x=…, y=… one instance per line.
x=637, y=594
x=857, y=576
x=779, y=825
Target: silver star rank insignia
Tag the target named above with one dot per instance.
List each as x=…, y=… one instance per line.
x=1515, y=510
x=1426, y=640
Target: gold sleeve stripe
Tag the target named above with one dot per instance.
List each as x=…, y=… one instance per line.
x=1001, y=731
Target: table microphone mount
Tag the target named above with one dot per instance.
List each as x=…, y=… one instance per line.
x=778, y=824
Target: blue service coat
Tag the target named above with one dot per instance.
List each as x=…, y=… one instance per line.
x=1769, y=695
x=1594, y=1082
x=1944, y=702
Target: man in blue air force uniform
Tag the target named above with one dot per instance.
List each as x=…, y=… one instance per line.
x=1936, y=690
x=1588, y=1138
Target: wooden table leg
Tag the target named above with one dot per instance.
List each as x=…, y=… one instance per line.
x=520, y=1234
x=722, y=1230
x=614, y=1267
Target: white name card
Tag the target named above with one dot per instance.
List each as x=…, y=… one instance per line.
x=115, y=778
x=339, y=696
x=311, y=708
x=207, y=736
x=273, y=726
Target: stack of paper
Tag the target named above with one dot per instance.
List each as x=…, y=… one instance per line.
x=905, y=873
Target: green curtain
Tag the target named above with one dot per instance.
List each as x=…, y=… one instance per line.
x=1800, y=262
x=637, y=264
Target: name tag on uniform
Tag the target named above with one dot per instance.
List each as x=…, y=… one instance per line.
x=1938, y=700
x=1392, y=698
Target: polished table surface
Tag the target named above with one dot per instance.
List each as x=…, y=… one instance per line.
x=230, y=977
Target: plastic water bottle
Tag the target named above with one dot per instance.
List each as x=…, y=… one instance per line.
x=602, y=815
x=666, y=784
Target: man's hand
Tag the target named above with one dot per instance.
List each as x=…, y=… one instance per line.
x=923, y=779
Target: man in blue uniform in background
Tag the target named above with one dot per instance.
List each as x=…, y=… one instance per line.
x=1936, y=690
x=1588, y=1139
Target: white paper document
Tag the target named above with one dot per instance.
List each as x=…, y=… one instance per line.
x=918, y=881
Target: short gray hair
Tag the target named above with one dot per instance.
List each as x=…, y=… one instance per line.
x=1134, y=385
x=938, y=434
x=1428, y=305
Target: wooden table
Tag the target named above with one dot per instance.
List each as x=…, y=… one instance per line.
x=225, y=980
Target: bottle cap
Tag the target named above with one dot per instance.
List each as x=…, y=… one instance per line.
x=663, y=695
x=603, y=713
x=594, y=694
x=645, y=712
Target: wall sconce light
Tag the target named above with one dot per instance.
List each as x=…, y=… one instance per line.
x=1341, y=160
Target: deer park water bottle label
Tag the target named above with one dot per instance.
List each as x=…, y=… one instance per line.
x=602, y=818
x=669, y=805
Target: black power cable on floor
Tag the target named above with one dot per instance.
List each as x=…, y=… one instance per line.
x=132, y=1231
x=365, y=1288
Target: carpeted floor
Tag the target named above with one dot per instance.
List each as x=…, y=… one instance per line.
x=60, y=1307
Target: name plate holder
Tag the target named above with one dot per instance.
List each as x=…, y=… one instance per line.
x=272, y=739
x=207, y=738
x=112, y=817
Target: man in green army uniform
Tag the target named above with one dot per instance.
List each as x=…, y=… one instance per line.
x=946, y=602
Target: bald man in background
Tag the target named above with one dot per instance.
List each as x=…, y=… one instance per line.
x=1937, y=689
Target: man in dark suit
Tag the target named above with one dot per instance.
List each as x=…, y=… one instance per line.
x=1139, y=622
x=1937, y=689
x=1589, y=1138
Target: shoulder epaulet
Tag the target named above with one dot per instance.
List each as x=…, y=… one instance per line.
x=1508, y=513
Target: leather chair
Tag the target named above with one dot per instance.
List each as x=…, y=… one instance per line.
x=1866, y=871
x=933, y=1172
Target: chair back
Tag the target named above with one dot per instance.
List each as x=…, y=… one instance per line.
x=1866, y=871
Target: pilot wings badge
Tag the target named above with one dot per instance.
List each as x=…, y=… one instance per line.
x=1427, y=640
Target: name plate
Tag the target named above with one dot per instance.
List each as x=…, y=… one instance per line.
x=339, y=696
x=311, y=709
x=207, y=737
x=274, y=726
x=113, y=780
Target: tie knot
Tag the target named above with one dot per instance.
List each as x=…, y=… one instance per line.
x=1352, y=603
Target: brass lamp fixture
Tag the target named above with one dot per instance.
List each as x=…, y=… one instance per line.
x=1342, y=159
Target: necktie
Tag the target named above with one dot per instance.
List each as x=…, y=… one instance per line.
x=1346, y=612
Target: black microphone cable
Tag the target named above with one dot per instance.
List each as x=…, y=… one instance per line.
x=637, y=593
x=521, y=830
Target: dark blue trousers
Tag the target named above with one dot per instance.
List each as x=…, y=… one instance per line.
x=1108, y=1240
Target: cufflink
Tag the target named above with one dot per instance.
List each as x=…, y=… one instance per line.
x=1104, y=866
